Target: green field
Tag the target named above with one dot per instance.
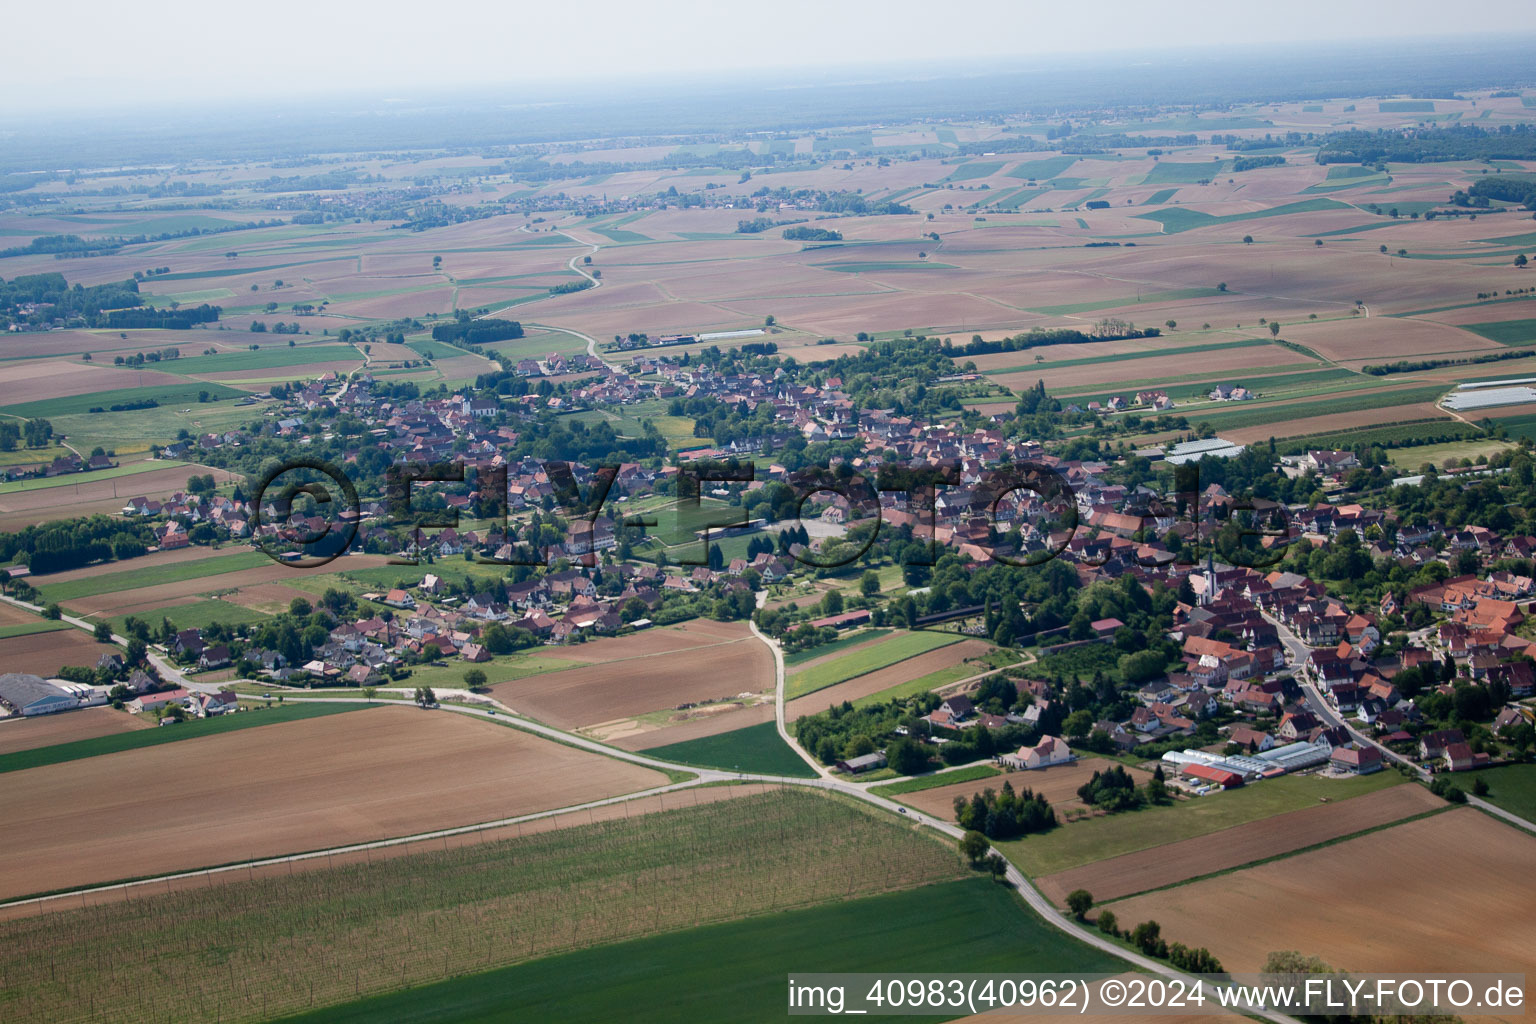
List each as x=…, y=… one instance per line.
x=1249, y=414
x=1167, y=173
x=1095, y=839
x=270, y=355
x=193, y=615
x=971, y=773
x=1159, y=197
x=1039, y=170
x=1406, y=107
x=168, y=394
x=736, y=972
x=247, y=950
x=29, y=628
x=1017, y=199
x=1506, y=332
x=1338, y=172
x=188, y=730
x=1513, y=788
x=148, y=576
x=841, y=643
x=1267, y=384
x=757, y=749
x=975, y=169
x=1175, y=221
x=849, y=666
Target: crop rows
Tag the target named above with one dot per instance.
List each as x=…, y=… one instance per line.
x=259, y=949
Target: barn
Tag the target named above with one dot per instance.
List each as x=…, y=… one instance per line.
x=1207, y=773
x=24, y=694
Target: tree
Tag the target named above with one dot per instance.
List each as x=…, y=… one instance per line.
x=769, y=321
x=1079, y=901
x=906, y=756
x=974, y=846
x=53, y=611
x=1274, y=329
x=370, y=692
x=1108, y=923
x=1170, y=324
x=997, y=867
x=103, y=632
x=1247, y=239
x=474, y=678
x=1078, y=723
x=1222, y=286
x=1520, y=260
x=869, y=583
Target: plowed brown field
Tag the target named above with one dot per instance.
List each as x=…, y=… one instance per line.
x=304, y=785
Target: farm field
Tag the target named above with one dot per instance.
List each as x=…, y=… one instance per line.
x=889, y=651
x=1096, y=839
x=87, y=493
x=637, y=685
x=1282, y=834
x=43, y=654
x=970, y=773
x=581, y=886
x=65, y=727
x=134, y=738
x=935, y=665
x=736, y=971
x=1058, y=784
x=319, y=786
x=1513, y=788
x=755, y=748
x=1352, y=919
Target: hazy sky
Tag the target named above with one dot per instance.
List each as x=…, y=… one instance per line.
x=81, y=54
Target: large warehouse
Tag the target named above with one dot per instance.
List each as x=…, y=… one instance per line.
x=23, y=694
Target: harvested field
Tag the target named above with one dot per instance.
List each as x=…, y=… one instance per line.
x=268, y=597
x=603, y=693
x=36, y=380
x=882, y=679
x=1362, y=340
x=1215, y=361
x=64, y=727
x=1058, y=784
x=23, y=508
x=661, y=640
x=287, y=787
x=1131, y=873
x=143, y=599
x=1478, y=918
x=43, y=654
x=687, y=725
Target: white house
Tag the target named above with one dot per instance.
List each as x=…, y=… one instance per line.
x=1050, y=750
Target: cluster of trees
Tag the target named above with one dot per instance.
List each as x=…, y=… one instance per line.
x=1250, y=163
x=36, y=433
x=1006, y=814
x=1416, y=365
x=148, y=318
x=1506, y=188
x=477, y=332
x=1104, y=330
x=71, y=543
x=1429, y=145
x=1111, y=790
x=61, y=300
x=812, y=235
x=572, y=286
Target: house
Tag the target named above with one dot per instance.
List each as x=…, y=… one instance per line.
x=363, y=675
x=1251, y=740
x=863, y=763
x=216, y=656
x=205, y=704
x=1459, y=758
x=475, y=653
x=1433, y=745
x=1356, y=760
x=153, y=701
x=1050, y=750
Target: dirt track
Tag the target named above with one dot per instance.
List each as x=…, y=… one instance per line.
x=366, y=774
